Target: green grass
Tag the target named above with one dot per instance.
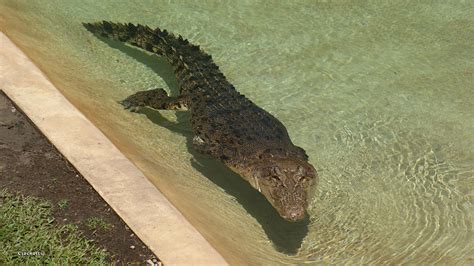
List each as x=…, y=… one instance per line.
x=97, y=223
x=62, y=204
x=26, y=225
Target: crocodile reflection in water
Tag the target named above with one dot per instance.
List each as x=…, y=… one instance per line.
x=227, y=126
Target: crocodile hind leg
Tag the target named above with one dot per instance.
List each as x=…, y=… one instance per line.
x=201, y=146
x=156, y=99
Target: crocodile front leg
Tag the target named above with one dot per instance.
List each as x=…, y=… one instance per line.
x=156, y=99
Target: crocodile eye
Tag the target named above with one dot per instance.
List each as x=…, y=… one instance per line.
x=276, y=171
x=274, y=178
x=300, y=171
x=303, y=179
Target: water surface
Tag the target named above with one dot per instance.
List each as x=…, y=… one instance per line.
x=379, y=94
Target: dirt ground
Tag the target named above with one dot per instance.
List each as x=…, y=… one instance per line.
x=30, y=165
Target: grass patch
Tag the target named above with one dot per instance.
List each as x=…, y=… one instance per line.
x=28, y=234
x=62, y=204
x=95, y=223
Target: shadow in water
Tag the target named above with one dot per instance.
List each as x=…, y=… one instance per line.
x=286, y=236
x=157, y=63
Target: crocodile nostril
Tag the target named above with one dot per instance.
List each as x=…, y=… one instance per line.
x=293, y=215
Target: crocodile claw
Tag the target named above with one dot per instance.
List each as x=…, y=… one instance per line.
x=127, y=105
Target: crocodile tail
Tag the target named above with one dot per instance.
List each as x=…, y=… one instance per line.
x=152, y=40
x=175, y=48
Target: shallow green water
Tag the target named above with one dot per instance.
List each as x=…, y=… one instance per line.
x=379, y=94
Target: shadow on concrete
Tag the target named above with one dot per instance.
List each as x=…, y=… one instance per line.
x=286, y=236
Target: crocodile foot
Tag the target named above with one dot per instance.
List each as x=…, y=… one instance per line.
x=127, y=105
x=135, y=102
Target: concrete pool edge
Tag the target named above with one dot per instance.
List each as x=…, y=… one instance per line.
x=119, y=182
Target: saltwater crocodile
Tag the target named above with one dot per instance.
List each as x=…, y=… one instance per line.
x=227, y=125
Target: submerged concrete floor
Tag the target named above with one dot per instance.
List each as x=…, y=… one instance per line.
x=145, y=210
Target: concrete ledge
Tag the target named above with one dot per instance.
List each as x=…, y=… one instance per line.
x=145, y=210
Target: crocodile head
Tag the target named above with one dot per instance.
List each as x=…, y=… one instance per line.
x=288, y=184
